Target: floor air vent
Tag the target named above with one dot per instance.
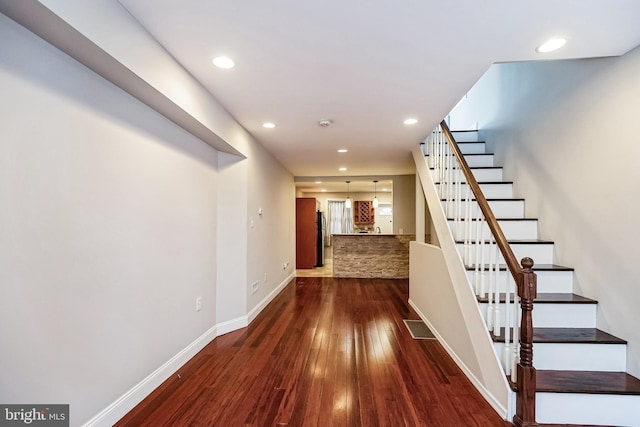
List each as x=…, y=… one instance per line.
x=418, y=330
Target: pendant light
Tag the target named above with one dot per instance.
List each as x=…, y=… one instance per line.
x=347, y=203
x=375, y=193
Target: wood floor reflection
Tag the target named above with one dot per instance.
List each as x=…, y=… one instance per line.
x=325, y=352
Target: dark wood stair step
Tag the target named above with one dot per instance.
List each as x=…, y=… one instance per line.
x=591, y=382
x=568, y=335
x=548, y=298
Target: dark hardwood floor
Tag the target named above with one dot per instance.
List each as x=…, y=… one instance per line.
x=325, y=352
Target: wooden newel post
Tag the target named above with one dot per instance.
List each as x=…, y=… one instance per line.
x=526, y=373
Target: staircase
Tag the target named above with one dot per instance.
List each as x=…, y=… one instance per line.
x=581, y=376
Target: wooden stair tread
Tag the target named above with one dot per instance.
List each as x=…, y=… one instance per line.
x=593, y=382
x=568, y=335
x=536, y=267
x=548, y=298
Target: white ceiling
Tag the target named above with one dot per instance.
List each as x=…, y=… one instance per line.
x=366, y=65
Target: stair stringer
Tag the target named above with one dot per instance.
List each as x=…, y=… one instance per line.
x=441, y=294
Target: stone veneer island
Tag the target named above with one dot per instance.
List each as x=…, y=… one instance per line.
x=371, y=255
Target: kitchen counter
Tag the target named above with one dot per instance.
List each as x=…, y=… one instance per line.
x=371, y=255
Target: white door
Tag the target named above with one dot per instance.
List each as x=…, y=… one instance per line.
x=384, y=218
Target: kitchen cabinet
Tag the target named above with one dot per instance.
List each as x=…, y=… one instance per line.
x=306, y=232
x=363, y=212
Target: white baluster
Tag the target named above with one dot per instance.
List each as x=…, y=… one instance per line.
x=516, y=336
x=458, y=206
x=440, y=165
x=496, y=287
x=483, y=284
x=492, y=265
x=449, y=188
x=430, y=150
x=467, y=227
x=506, y=354
x=478, y=248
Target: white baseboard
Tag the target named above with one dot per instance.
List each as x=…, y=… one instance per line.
x=232, y=325
x=493, y=401
x=119, y=408
x=266, y=300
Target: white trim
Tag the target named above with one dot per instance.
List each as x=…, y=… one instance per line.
x=125, y=403
x=266, y=300
x=493, y=401
x=121, y=406
x=232, y=325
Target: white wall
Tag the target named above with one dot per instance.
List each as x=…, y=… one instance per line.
x=404, y=204
x=440, y=293
x=231, y=285
x=109, y=218
x=114, y=220
x=272, y=240
x=565, y=131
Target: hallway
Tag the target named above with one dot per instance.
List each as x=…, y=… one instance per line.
x=325, y=352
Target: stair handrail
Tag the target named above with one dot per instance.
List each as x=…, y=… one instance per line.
x=526, y=283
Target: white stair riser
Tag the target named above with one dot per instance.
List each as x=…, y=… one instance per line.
x=540, y=253
x=480, y=161
x=493, y=191
x=548, y=281
x=580, y=357
x=549, y=315
x=575, y=357
x=465, y=136
x=591, y=409
x=564, y=315
x=487, y=174
x=472, y=147
x=505, y=208
x=526, y=229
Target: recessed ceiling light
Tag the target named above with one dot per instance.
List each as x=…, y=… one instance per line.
x=223, y=62
x=342, y=150
x=342, y=169
x=410, y=121
x=385, y=189
x=318, y=182
x=551, y=45
x=323, y=190
x=268, y=125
